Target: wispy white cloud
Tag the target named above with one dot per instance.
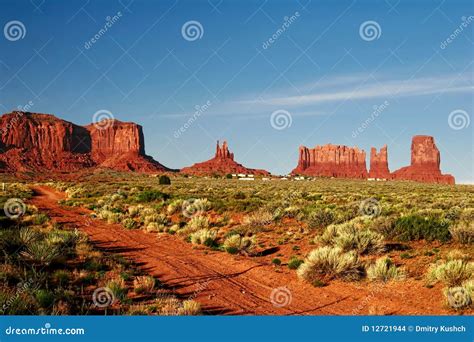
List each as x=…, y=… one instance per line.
x=368, y=88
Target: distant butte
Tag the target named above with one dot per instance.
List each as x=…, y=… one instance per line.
x=32, y=142
x=222, y=163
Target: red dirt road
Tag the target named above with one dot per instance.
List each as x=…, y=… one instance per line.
x=227, y=284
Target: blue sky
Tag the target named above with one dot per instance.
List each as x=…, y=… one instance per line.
x=322, y=72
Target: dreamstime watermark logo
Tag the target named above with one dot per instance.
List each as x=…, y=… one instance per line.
x=109, y=22
x=14, y=30
x=192, y=30
x=286, y=25
x=370, y=207
x=281, y=297
x=22, y=287
x=465, y=23
x=14, y=208
x=375, y=113
x=458, y=297
x=197, y=113
x=281, y=119
x=459, y=119
x=103, y=297
x=103, y=119
x=193, y=207
x=370, y=30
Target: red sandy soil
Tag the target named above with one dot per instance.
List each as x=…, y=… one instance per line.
x=236, y=285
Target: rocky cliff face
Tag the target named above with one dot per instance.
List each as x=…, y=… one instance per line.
x=43, y=142
x=222, y=163
x=425, y=163
x=379, y=163
x=331, y=161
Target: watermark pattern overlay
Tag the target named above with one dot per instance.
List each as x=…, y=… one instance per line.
x=466, y=21
x=103, y=119
x=458, y=297
x=281, y=297
x=109, y=22
x=193, y=207
x=199, y=110
x=377, y=110
x=459, y=119
x=281, y=119
x=192, y=30
x=370, y=30
x=14, y=30
x=287, y=21
x=370, y=207
x=103, y=297
x=14, y=208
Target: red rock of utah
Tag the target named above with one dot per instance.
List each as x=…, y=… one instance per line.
x=331, y=161
x=425, y=161
x=43, y=142
x=222, y=163
x=379, y=163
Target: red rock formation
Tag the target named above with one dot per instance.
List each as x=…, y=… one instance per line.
x=42, y=142
x=222, y=163
x=379, y=163
x=425, y=162
x=331, y=161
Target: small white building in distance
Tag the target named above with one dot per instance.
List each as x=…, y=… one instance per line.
x=246, y=178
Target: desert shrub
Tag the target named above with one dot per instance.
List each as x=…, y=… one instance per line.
x=259, y=218
x=276, y=261
x=205, y=237
x=463, y=232
x=294, y=263
x=61, y=276
x=235, y=244
x=129, y=223
x=415, y=227
x=143, y=284
x=118, y=288
x=190, y=308
x=228, y=176
x=174, y=206
x=161, y=219
x=326, y=263
x=164, y=180
x=383, y=225
x=197, y=223
x=134, y=210
x=384, y=270
x=460, y=297
x=41, y=252
x=150, y=196
x=451, y=273
x=44, y=298
x=320, y=218
x=40, y=219
x=353, y=235
x=28, y=235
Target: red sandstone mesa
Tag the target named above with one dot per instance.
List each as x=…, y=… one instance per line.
x=331, y=161
x=425, y=161
x=43, y=142
x=379, y=163
x=222, y=163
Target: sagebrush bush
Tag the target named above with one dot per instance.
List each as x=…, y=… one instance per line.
x=236, y=244
x=259, y=218
x=463, y=232
x=320, y=218
x=118, y=288
x=451, y=273
x=352, y=236
x=190, y=308
x=205, y=237
x=384, y=270
x=197, y=223
x=326, y=263
x=143, y=284
x=164, y=180
x=460, y=297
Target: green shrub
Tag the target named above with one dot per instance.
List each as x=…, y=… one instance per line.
x=228, y=176
x=320, y=218
x=205, y=237
x=414, y=227
x=118, y=288
x=129, y=223
x=276, y=261
x=40, y=219
x=150, y=196
x=164, y=180
x=44, y=298
x=143, y=284
x=294, y=263
x=460, y=297
x=326, y=263
x=384, y=270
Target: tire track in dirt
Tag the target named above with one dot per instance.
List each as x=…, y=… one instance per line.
x=228, y=284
